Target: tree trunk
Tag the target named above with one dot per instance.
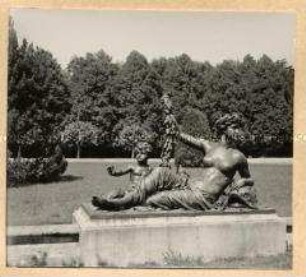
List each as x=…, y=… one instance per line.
x=79, y=136
x=79, y=150
x=134, y=144
x=19, y=152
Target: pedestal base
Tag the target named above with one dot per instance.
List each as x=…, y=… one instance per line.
x=127, y=239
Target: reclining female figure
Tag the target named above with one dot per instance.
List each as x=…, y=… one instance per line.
x=164, y=189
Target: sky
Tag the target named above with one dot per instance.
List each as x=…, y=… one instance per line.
x=204, y=36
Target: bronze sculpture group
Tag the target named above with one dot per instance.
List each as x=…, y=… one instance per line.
x=215, y=188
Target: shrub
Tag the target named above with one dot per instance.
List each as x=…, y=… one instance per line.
x=22, y=170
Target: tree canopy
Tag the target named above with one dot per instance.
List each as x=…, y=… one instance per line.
x=110, y=102
x=37, y=98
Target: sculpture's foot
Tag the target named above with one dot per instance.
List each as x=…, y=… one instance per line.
x=95, y=201
x=241, y=201
x=103, y=203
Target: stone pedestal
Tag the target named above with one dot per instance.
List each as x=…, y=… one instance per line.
x=127, y=239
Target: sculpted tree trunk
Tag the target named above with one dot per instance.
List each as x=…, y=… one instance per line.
x=171, y=130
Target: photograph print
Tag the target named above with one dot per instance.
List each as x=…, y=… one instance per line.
x=150, y=139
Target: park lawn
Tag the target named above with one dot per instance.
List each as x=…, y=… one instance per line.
x=54, y=203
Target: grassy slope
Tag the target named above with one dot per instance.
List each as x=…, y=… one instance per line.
x=55, y=202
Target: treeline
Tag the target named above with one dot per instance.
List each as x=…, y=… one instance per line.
x=98, y=108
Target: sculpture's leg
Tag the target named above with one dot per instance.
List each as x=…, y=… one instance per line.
x=129, y=200
x=176, y=199
x=116, y=193
x=159, y=179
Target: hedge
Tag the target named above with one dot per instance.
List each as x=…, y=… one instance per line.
x=23, y=170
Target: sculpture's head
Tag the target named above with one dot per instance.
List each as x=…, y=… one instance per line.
x=230, y=129
x=142, y=151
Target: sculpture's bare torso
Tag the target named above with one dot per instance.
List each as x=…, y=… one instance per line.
x=220, y=166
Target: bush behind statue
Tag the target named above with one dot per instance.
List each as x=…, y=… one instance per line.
x=23, y=170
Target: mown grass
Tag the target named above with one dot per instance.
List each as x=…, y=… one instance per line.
x=55, y=202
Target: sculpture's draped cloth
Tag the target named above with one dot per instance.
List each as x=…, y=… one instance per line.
x=174, y=191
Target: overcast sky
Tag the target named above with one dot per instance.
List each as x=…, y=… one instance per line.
x=203, y=36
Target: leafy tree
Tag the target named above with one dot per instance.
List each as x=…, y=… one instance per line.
x=257, y=90
x=136, y=93
x=13, y=74
x=80, y=133
x=131, y=135
x=184, y=79
x=270, y=116
x=127, y=92
x=38, y=97
x=89, y=78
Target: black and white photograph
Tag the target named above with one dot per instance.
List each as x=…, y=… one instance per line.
x=150, y=139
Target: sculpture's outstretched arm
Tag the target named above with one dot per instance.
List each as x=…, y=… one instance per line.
x=201, y=144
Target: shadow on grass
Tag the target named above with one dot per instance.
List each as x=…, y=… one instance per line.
x=69, y=178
